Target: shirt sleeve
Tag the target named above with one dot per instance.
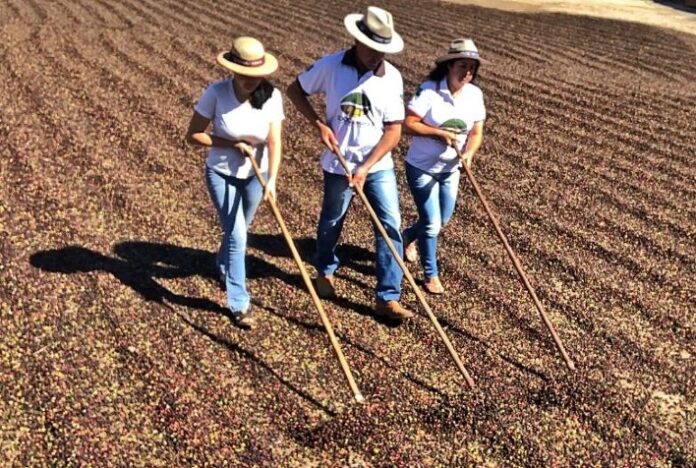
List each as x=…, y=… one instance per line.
x=480, y=113
x=206, y=104
x=395, y=109
x=420, y=102
x=276, y=112
x=315, y=78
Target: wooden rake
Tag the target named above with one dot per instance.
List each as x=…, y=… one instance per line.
x=515, y=260
x=407, y=273
x=308, y=282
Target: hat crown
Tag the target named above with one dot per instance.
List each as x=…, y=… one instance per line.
x=463, y=45
x=248, y=48
x=379, y=21
x=375, y=29
x=248, y=57
x=462, y=48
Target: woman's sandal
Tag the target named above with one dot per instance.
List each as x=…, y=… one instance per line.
x=433, y=285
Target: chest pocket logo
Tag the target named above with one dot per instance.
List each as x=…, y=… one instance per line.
x=356, y=105
x=456, y=126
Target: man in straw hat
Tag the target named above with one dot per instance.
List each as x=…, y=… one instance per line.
x=247, y=113
x=364, y=113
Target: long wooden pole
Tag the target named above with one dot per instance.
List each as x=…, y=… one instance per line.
x=515, y=260
x=308, y=282
x=407, y=273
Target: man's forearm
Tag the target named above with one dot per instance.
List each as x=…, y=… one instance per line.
x=299, y=99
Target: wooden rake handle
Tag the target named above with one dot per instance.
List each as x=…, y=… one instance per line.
x=308, y=282
x=515, y=260
x=407, y=273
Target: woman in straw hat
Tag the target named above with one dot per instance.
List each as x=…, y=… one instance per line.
x=246, y=112
x=446, y=110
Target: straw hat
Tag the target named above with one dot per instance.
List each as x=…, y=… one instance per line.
x=248, y=57
x=375, y=29
x=459, y=49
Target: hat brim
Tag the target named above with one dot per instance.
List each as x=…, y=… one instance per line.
x=270, y=64
x=454, y=56
x=396, y=44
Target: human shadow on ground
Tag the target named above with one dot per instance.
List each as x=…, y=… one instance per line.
x=351, y=256
x=138, y=265
x=260, y=268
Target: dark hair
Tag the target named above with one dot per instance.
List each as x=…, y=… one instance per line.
x=440, y=71
x=261, y=94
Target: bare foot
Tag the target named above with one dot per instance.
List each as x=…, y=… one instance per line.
x=410, y=253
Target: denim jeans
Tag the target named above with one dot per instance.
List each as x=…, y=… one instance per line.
x=236, y=201
x=381, y=191
x=435, y=195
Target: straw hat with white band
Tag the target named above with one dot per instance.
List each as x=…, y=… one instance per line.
x=375, y=29
x=248, y=57
x=461, y=49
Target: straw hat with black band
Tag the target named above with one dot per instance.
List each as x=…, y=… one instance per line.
x=248, y=57
x=462, y=48
x=375, y=29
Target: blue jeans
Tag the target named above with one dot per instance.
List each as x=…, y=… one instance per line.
x=236, y=201
x=380, y=189
x=435, y=195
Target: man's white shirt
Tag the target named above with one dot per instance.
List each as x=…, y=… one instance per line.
x=357, y=107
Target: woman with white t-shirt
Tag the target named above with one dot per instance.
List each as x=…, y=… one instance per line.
x=246, y=112
x=446, y=110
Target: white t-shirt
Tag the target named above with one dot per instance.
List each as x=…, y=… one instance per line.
x=234, y=120
x=356, y=107
x=434, y=103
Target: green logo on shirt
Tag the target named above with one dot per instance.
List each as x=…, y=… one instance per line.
x=355, y=105
x=455, y=126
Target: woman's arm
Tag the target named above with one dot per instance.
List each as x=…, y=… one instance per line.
x=274, y=157
x=414, y=125
x=473, y=142
x=196, y=134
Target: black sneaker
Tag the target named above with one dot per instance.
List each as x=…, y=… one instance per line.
x=244, y=319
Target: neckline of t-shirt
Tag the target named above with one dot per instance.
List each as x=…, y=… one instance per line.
x=234, y=93
x=446, y=91
x=353, y=64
